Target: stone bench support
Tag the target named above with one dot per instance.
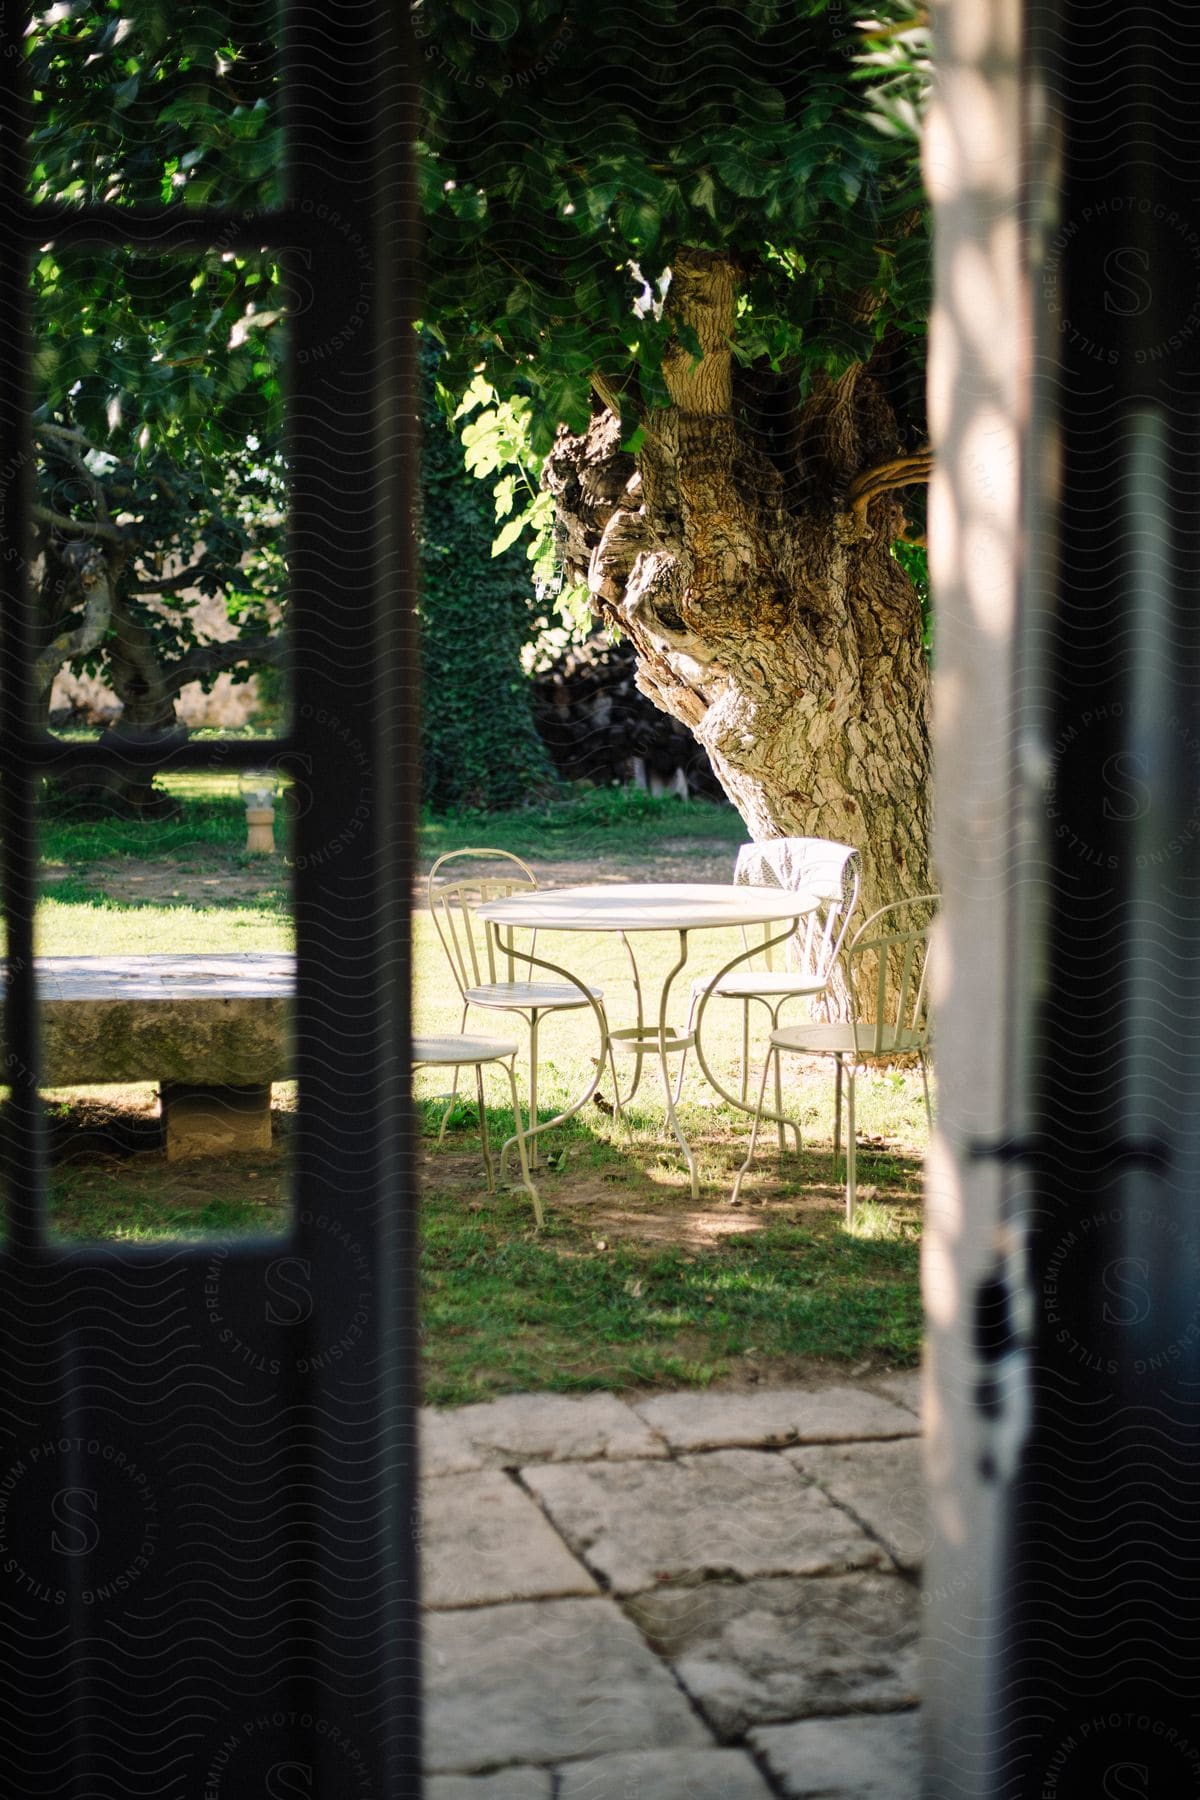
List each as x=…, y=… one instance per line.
x=213, y=1031
x=205, y=1119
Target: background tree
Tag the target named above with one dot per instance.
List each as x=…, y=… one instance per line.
x=684, y=238
x=158, y=414
x=481, y=748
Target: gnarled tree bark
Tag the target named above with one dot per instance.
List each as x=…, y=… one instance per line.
x=751, y=568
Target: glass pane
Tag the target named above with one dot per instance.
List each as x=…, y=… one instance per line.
x=148, y=103
x=165, y=960
x=159, y=568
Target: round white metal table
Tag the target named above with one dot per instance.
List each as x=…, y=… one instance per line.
x=628, y=908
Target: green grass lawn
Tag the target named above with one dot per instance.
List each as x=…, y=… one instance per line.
x=631, y=1282
x=599, y=822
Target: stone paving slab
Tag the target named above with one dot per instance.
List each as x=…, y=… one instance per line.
x=720, y=1420
x=732, y=1513
x=544, y=1682
x=844, y=1759
x=534, y=1428
x=484, y=1540
x=760, y=1651
x=664, y=1775
x=904, y=1388
x=444, y=1447
x=883, y=1485
x=505, y=1784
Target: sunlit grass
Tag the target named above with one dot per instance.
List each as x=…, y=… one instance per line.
x=631, y=1282
x=111, y=929
x=596, y=822
x=507, y=1309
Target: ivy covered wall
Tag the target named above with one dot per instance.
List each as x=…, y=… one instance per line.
x=481, y=748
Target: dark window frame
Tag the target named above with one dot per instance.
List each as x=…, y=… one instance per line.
x=351, y=654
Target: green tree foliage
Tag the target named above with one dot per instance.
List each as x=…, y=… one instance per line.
x=569, y=153
x=687, y=248
x=141, y=102
x=480, y=745
x=157, y=377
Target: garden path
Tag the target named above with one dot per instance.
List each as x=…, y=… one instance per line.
x=691, y=1596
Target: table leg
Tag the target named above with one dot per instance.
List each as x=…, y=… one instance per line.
x=643, y=1041
x=623, y=1100
x=778, y=1117
x=531, y=1136
x=533, y=1085
x=689, y=1153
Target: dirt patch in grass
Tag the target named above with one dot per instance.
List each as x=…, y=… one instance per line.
x=614, y=1205
x=686, y=1223
x=208, y=881
x=674, y=859
x=212, y=880
x=742, y=1374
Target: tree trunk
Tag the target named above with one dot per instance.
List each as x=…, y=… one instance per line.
x=147, y=711
x=765, y=606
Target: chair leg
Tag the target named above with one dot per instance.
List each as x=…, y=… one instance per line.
x=533, y=1098
x=925, y=1085
x=618, y=1108
x=762, y=1088
x=780, y=1128
x=441, y=1137
x=533, y=1080
x=687, y=1031
x=837, y=1116
x=784, y=1123
x=522, y=1150
x=851, y=1149
x=483, y=1131
x=746, y=1049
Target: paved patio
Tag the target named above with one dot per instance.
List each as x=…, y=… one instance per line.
x=695, y=1596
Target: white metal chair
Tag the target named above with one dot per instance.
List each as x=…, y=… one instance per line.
x=885, y=972
x=832, y=872
x=485, y=978
x=476, y=1052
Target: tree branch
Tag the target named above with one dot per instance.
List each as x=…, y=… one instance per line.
x=898, y=472
x=95, y=580
x=69, y=436
x=173, y=584
x=85, y=527
x=214, y=659
x=69, y=445
x=607, y=392
x=701, y=296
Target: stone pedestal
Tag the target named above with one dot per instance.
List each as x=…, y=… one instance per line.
x=260, y=830
x=204, y=1119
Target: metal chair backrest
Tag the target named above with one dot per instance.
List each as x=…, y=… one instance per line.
x=830, y=870
x=886, y=969
x=470, y=948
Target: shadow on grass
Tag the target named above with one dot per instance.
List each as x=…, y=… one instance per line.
x=631, y=1284
x=110, y=1181
x=634, y=1284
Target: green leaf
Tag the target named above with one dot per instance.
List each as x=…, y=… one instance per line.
x=744, y=174
x=505, y=493
x=508, y=536
x=704, y=193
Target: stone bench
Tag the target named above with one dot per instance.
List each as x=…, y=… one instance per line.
x=212, y=1031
